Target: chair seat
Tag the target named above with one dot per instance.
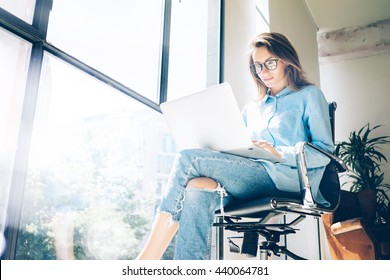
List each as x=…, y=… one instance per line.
x=262, y=207
x=258, y=208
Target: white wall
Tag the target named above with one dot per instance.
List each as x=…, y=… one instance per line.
x=239, y=29
x=361, y=88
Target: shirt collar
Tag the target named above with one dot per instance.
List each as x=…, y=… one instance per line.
x=282, y=93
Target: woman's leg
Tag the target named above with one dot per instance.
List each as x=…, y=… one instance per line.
x=163, y=229
x=194, y=206
x=197, y=216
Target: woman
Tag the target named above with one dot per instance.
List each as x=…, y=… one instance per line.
x=290, y=110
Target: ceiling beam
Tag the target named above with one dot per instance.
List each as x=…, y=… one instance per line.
x=354, y=42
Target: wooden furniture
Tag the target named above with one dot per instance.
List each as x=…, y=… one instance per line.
x=351, y=232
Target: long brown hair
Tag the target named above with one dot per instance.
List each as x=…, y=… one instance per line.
x=279, y=46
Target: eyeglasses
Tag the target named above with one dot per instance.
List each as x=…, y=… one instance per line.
x=271, y=64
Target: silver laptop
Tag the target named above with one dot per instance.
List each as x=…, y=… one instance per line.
x=211, y=119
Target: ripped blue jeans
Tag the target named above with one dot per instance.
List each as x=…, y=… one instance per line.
x=194, y=208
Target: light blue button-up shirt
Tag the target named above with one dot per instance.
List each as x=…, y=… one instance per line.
x=285, y=120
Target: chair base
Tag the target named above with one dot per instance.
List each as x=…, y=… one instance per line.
x=251, y=233
x=267, y=247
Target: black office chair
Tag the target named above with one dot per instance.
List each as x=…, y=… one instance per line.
x=263, y=209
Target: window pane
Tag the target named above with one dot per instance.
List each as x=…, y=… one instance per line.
x=120, y=38
x=98, y=159
x=14, y=57
x=23, y=9
x=194, y=47
x=262, y=16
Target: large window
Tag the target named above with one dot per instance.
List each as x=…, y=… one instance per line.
x=194, y=56
x=85, y=153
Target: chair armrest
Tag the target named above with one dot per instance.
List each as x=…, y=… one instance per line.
x=308, y=200
x=340, y=165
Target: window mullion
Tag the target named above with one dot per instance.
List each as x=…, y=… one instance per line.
x=165, y=51
x=19, y=27
x=41, y=16
x=22, y=154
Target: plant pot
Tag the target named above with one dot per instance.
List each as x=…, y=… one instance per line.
x=367, y=201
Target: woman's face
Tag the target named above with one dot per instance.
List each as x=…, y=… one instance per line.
x=273, y=79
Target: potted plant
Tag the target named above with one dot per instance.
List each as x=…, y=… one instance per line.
x=362, y=153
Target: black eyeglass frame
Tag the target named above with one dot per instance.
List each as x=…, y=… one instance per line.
x=255, y=65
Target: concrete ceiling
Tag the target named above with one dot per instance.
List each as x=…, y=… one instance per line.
x=336, y=14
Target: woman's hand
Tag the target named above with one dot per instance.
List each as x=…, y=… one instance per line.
x=267, y=146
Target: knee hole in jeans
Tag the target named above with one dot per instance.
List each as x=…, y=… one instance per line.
x=202, y=183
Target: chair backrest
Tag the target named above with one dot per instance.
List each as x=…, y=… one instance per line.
x=330, y=187
x=332, y=116
x=330, y=183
